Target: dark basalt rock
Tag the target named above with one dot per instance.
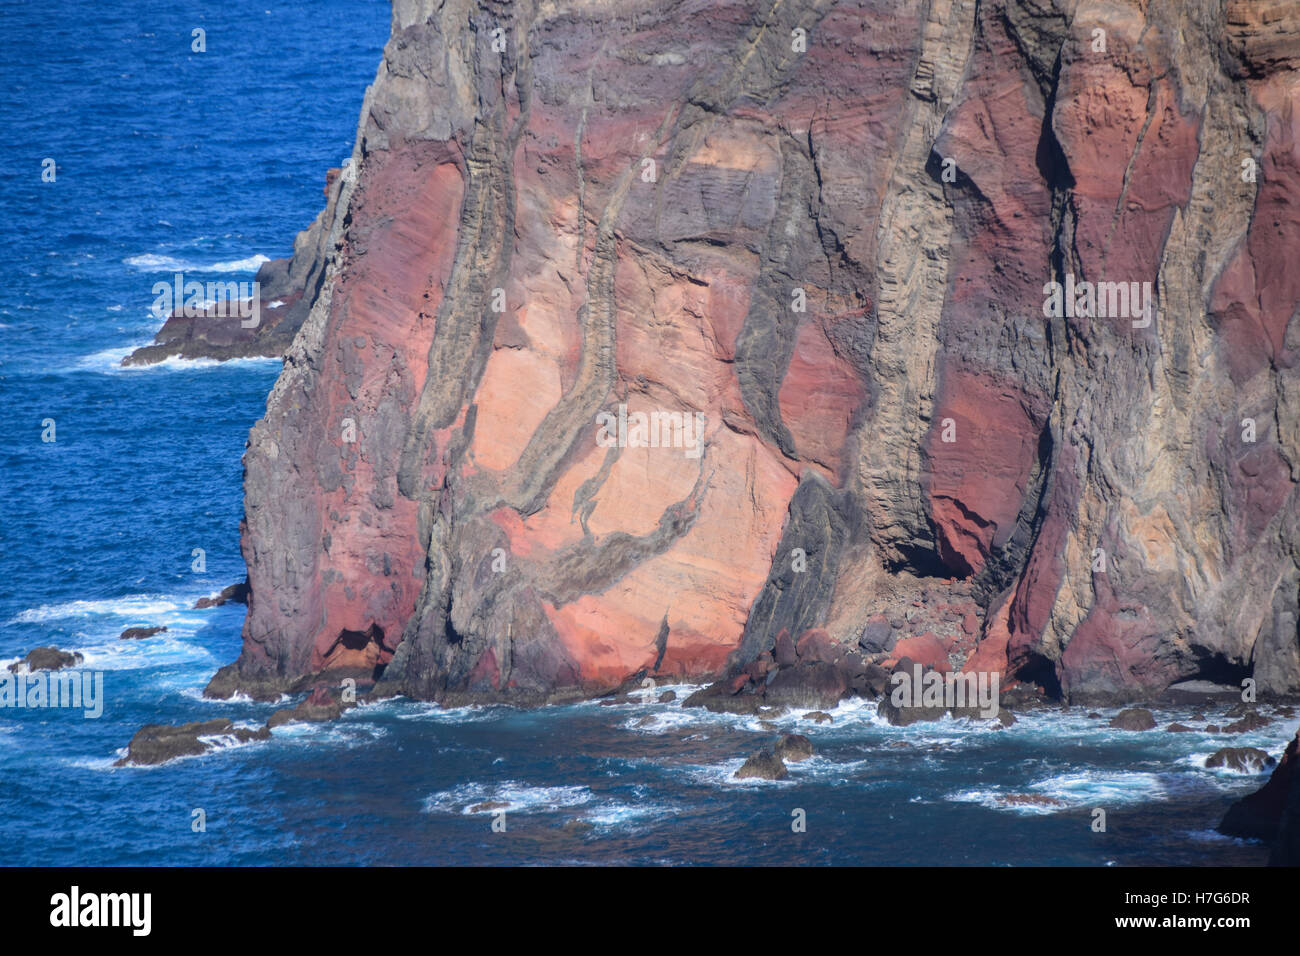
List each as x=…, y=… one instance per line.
x=321, y=706
x=159, y=743
x=234, y=592
x=793, y=748
x=814, y=686
x=139, y=633
x=1177, y=728
x=47, y=659
x=763, y=765
x=1252, y=721
x=877, y=637
x=1134, y=718
x=1272, y=813
x=1240, y=759
x=906, y=716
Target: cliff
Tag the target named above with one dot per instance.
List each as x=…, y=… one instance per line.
x=569, y=229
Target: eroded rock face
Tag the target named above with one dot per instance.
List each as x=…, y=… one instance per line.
x=838, y=255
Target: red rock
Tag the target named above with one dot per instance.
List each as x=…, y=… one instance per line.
x=926, y=650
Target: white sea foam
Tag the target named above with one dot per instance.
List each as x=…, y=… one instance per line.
x=1085, y=788
x=616, y=814
x=145, y=606
x=517, y=797
x=110, y=360
x=153, y=262
x=404, y=709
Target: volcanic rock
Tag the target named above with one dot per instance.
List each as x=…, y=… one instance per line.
x=1240, y=759
x=47, y=659
x=234, y=592
x=1135, y=718
x=823, y=274
x=159, y=743
x=793, y=748
x=1272, y=813
x=762, y=765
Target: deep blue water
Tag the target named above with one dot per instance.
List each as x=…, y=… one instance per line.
x=169, y=160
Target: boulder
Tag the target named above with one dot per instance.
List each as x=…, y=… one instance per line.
x=808, y=686
x=47, y=659
x=762, y=765
x=906, y=716
x=793, y=748
x=139, y=633
x=1134, y=718
x=926, y=650
x=877, y=636
x=1240, y=759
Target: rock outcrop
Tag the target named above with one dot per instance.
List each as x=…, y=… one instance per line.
x=46, y=659
x=140, y=633
x=159, y=743
x=637, y=335
x=231, y=327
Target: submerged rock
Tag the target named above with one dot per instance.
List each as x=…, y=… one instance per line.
x=1252, y=721
x=1031, y=800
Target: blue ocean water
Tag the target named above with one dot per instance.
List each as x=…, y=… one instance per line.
x=169, y=160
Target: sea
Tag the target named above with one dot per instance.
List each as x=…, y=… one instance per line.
x=169, y=160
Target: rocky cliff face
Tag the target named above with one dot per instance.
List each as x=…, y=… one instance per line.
x=829, y=229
